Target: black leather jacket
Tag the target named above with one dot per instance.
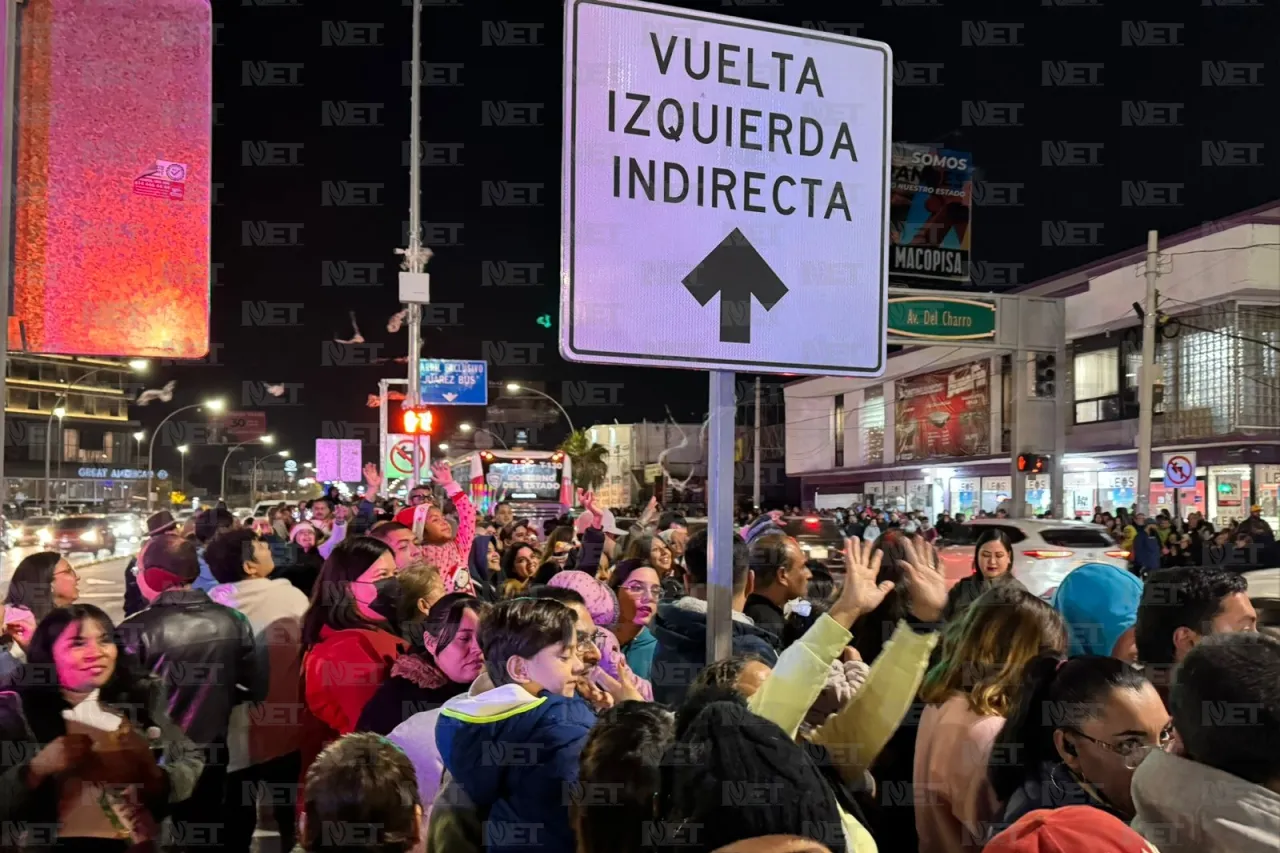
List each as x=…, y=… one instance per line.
x=205, y=653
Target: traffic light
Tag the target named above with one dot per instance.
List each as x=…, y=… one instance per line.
x=417, y=421
x=1046, y=373
x=1031, y=464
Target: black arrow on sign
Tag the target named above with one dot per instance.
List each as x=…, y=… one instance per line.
x=735, y=270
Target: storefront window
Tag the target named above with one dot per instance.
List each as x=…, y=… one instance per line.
x=964, y=496
x=995, y=490
x=1266, y=493
x=1038, y=496
x=1228, y=493
x=1081, y=487
x=874, y=493
x=895, y=495
x=918, y=497
x=1117, y=489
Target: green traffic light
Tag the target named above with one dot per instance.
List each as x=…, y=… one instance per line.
x=545, y=321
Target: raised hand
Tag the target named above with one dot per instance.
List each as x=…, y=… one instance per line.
x=372, y=479
x=442, y=473
x=860, y=593
x=927, y=594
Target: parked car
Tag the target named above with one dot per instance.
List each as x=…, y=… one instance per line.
x=37, y=530
x=1044, y=550
x=83, y=533
x=820, y=538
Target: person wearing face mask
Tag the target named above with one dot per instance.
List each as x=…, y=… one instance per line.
x=347, y=646
x=260, y=749
x=443, y=662
x=441, y=548
x=531, y=655
x=992, y=565
x=1079, y=730
x=89, y=779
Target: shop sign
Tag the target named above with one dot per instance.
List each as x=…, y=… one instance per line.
x=929, y=318
x=113, y=474
x=997, y=484
x=918, y=488
x=1118, y=479
x=898, y=487
x=1037, y=484
x=964, y=485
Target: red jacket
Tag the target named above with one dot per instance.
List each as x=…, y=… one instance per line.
x=339, y=675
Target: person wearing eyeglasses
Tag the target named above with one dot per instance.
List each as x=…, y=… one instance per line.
x=1080, y=729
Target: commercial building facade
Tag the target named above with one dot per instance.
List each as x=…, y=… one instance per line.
x=94, y=459
x=933, y=434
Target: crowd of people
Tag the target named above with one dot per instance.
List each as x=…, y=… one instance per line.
x=425, y=677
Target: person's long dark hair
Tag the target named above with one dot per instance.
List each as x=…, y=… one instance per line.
x=874, y=629
x=444, y=617
x=508, y=566
x=127, y=691
x=994, y=534
x=1055, y=694
x=332, y=604
x=32, y=583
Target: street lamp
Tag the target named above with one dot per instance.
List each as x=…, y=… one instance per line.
x=222, y=483
x=214, y=406
x=182, y=479
x=466, y=428
x=443, y=446
x=253, y=488
x=137, y=445
x=515, y=387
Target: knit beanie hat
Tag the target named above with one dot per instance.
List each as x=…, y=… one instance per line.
x=735, y=775
x=601, y=602
x=1069, y=829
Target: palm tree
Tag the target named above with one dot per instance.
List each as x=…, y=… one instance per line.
x=587, y=459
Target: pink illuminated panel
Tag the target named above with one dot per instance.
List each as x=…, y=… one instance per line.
x=113, y=190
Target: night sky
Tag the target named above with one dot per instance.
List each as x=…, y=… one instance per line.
x=312, y=119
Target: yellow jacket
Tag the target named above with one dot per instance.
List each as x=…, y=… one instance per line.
x=855, y=735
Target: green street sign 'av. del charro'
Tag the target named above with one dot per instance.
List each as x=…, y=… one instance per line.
x=932, y=318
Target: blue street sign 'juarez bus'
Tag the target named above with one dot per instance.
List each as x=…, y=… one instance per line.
x=454, y=383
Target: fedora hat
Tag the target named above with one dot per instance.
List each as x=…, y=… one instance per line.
x=160, y=522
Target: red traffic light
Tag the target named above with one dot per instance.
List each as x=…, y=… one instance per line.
x=417, y=421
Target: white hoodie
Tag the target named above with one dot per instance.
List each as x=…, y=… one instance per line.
x=1187, y=807
x=274, y=609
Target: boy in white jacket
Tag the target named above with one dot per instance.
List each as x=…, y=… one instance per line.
x=262, y=739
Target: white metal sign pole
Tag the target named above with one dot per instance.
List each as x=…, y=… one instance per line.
x=720, y=516
x=384, y=489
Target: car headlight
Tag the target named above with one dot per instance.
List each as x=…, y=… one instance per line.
x=89, y=536
x=44, y=535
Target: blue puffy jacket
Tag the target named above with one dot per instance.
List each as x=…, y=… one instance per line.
x=513, y=754
x=680, y=628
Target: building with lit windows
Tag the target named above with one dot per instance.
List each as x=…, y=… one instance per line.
x=79, y=409
x=932, y=432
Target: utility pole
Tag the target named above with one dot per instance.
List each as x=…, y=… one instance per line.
x=755, y=492
x=415, y=284
x=1147, y=376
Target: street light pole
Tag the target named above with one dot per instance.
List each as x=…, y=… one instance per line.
x=512, y=386
x=215, y=405
x=253, y=474
x=182, y=476
x=222, y=482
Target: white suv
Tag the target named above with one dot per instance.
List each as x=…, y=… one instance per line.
x=1044, y=550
